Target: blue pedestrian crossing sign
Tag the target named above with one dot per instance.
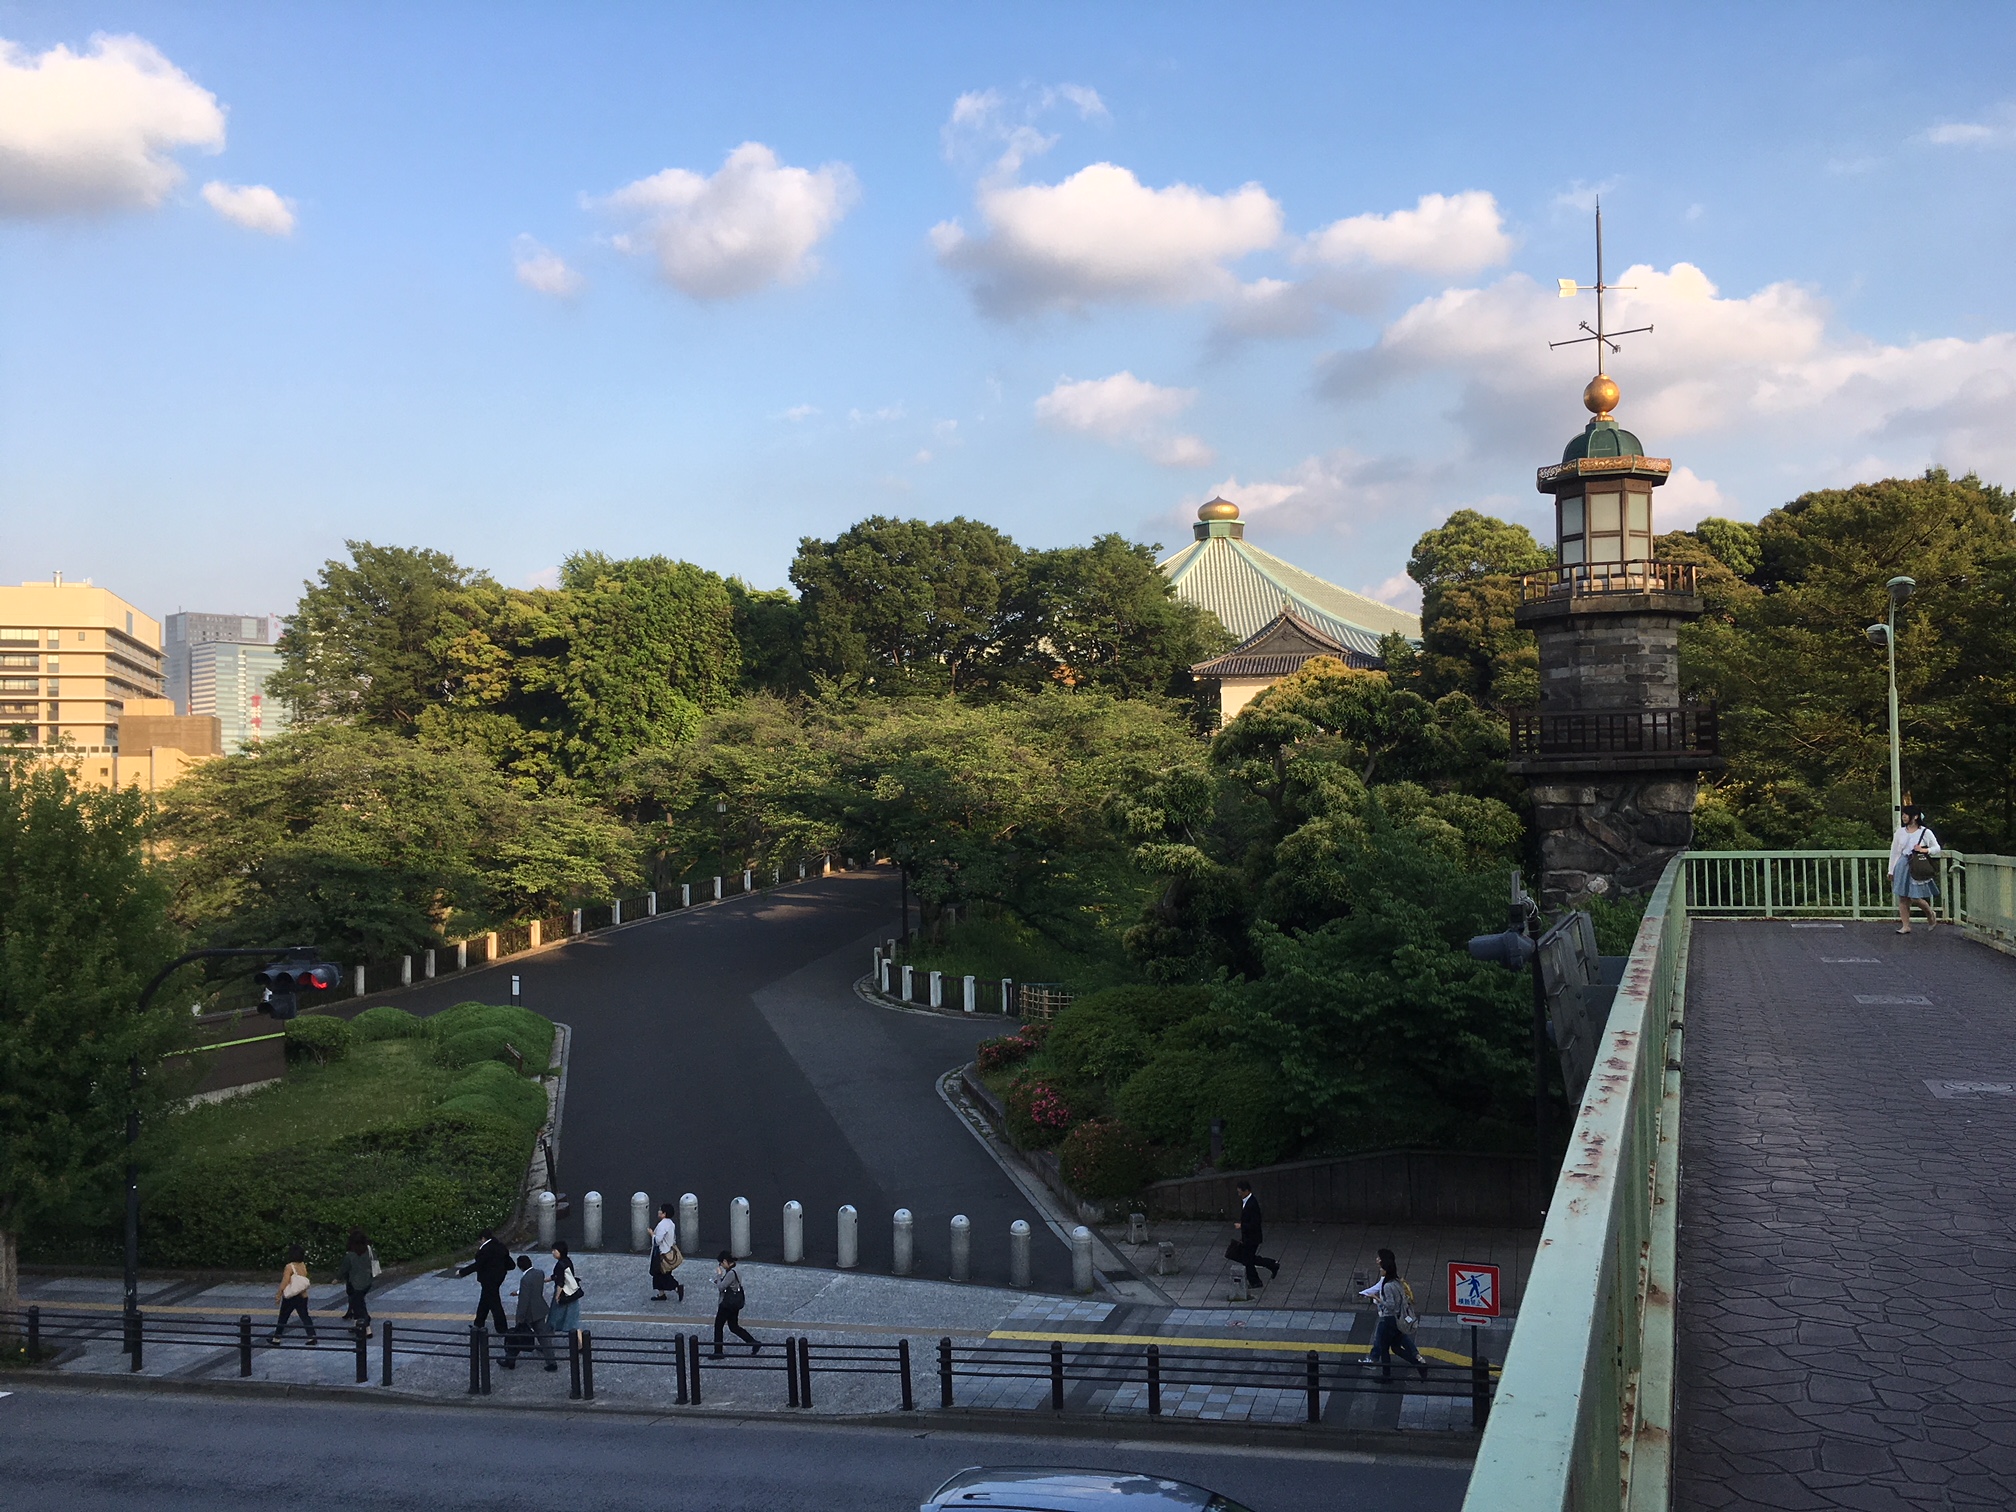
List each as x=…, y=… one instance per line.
x=1473, y=1290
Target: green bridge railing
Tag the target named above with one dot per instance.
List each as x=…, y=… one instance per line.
x=1584, y=1413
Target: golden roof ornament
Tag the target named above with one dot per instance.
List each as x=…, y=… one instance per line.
x=1219, y=509
x=1600, y=397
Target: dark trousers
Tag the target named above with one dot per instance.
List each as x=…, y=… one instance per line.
x=359, y=1309
x=288, y=1307
x=491, y=1305
x=1250, y=1253
x=729, y=1315
x=521, y=1340
x=1389, y=1339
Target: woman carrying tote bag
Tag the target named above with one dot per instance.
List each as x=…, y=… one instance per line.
x=1914, y=875
x=666, y=1256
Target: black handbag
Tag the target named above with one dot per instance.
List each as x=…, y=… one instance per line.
x=1922, y=867
x=1236, y=1250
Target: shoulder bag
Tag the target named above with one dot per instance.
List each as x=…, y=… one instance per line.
x=1409, y=1319
x=297, y=1283
x=1923, y=868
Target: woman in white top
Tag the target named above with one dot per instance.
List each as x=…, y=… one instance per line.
x=1914, y=838
x=665, y=1255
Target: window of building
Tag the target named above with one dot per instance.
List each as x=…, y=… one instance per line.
x=1607, y=529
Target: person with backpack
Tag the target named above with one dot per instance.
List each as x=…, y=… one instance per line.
x=564, y=1317
x=728, y=1312
x=293, y=1294
x=1393, y=1334
x=1914, y=875
x=356, y=1270
x=666, y=1256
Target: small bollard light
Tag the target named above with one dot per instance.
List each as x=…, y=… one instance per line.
x=517, y=996
x=1081, y=1260
x=591, y=1221
x=794, y=1232
x=1018, y=1253
x=689, y=1223
x=738, y=1228
x=902, y=1242
x=549, y=1222
x=962, y=1248
x=850, y=1237
x=640, y=1221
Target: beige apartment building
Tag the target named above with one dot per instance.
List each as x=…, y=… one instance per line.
x=82, y=667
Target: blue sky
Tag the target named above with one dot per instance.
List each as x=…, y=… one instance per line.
x=513, y=281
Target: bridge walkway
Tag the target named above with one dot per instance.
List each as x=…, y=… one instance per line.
x=1847, y=1250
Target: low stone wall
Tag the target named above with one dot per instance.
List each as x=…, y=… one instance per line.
x=1394, y=1186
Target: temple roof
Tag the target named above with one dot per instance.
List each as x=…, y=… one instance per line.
x=1279, y=647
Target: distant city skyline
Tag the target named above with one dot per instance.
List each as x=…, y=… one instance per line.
x=701, y=281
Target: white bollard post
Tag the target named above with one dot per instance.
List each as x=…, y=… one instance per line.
x=850, y=1237
x=886, y=968
x=537, y=931
x=1008, y=995
x=801, y=871
x=903, y=1243
x=776, y=875
x=576, y=922
x=1018, y=1253
x=591, y=1221
x=360, y=979
x=689, y=1224
x=745, y=880
x=490, y=947
x=406, y=971
x=685, y=894
x=972, y=1001
x=640, y=1221
x=1081, y=1260
x=651, y=905
x=937, y=983
x=794, y=1232
x=908, y=972
x=717, y=889
x=738, y=1228
x=616, y=912
x=875, y=966
x=427, y=967
x=461, y=955
x=549, y=1220
x=962, y=1248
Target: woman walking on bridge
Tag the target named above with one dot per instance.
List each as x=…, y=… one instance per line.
x=1914, y=875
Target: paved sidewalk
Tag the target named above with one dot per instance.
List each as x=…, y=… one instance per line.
x=1848, y=1152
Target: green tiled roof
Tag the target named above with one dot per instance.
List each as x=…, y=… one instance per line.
x=1247, y=587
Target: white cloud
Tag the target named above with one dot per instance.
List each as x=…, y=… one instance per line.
x=1687, y=499
x=984, y=120
x=1103, y=235
x=1125, y=410
x=1444, y=234
x=96, y=131
x=1999, y=130
x=544, y=271
x=799, y=412
x=882, y=416
x=545, y=577
x=253, y=206
x=1399, y=590
x=754, y=223
x=1338, y=493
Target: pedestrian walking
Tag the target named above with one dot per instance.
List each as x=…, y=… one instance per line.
x=1914, y=875
x=491, y=1265
x=1252, y=1234
x=666, y=1256
x=293, y=1294
x=356, y=1270
x=532, y=1312
x=1393, y=1334
x=564, y=1316
x=728, y=1311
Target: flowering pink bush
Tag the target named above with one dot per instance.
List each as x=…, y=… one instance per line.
x=1047, y=1109
x=1038, y=1115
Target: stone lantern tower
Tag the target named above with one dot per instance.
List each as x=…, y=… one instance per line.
x=1611, y=755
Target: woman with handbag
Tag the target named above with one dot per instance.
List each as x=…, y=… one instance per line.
x=1394, y=1300
x=728, y=1311
x=666, y=1256
x=1914, y=875
x=564, y=1317
x=356, y=1270
x=293, y=1294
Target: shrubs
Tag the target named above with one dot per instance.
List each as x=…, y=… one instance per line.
x=472, y=1032
x=1038, y=1115
x=1104, y=1159
x=1010, y=1049
x=386, y=1023
x=317, y=1039
x=498, y=1091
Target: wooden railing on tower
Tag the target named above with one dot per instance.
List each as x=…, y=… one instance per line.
x=1608, y=577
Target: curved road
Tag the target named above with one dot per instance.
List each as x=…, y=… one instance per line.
x=721, y=1050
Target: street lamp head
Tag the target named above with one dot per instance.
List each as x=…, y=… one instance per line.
x=1901, y=589
x=1879, y=636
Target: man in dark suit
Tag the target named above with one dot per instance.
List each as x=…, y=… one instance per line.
x=531, y=1317
x=1250, y=1236
x=491, y=1265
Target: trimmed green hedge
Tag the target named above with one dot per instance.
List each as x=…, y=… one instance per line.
x=318, y=1039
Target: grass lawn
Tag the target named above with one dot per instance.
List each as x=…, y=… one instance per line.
x=993, y=948
x=373, y=1087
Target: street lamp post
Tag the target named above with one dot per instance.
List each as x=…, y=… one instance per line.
x=1884, y=636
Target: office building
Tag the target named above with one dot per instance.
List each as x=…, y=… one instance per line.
x=218, y=665
x=72, y=657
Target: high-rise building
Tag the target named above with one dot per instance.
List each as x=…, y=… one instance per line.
x=218, y=665
x=71, y=657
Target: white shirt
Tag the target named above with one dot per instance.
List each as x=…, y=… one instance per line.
x=664, y=1236
x=1908, y=840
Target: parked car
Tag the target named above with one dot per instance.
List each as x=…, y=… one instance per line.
x=1034, y=1488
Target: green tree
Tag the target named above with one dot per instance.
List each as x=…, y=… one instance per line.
x=770, y=627
x=83, y=928
x=1469, y=569
x=1107, y=618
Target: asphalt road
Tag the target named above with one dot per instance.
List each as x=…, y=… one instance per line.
x=121, y=1450
x=721, y=1050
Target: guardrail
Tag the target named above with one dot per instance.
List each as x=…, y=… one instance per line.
x=1691, y=730
x=1815, y=884
x=1584, y=1411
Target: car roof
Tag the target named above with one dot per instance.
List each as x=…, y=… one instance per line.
x=1041, y=1488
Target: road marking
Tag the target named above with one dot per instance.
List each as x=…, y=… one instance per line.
x=1819, y=926
x=1879, y=1000
x=1851, y=960
x=1297, y=1346
x=1970, y=1089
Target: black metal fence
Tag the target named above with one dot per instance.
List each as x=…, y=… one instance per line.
x=1687, y=731
x=1057, y=1365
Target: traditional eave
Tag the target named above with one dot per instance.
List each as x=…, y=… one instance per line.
x=1653, y=470
x=1283, y=645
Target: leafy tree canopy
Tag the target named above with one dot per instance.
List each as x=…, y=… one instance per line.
x=1469, y=569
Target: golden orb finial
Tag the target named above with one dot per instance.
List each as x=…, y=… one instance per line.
x=1600, y=398
x=1219, y=509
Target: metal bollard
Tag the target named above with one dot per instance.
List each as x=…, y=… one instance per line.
x=587, y=1367
x=679, y=1364
x=693, y=1365
x=1081, y=1260
x=1154, y=1380
x=962, y=1248
x=794, y=1232
x=476, y=1370
x=1315, y=1387
x=137, y=1337
x=1056, y=1376
x=850, y=1237
x=738, y=1228
x=902, y=1243
x=903, y=1362
x=573, y=1365
x=651, y=905
x=790, y=1370
x=937, y=989
x=1480, y=1389
x=244, y=1343
x=362, y=1334
x=640, y=1221
x=945, y=1372
x=971, y=1001
x=1018, y=1253
x=689, y=1223
x=685, y=894
x=804, y=1372
x=591, y=1221
x=35, y=1335
x=385, y=1354
x=549, y=1222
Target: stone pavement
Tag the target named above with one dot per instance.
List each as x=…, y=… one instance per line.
x=1847, y=1259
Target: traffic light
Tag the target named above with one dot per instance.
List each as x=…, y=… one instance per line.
x=287, y=982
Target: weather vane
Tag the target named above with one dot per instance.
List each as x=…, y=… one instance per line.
x=1598, y=333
